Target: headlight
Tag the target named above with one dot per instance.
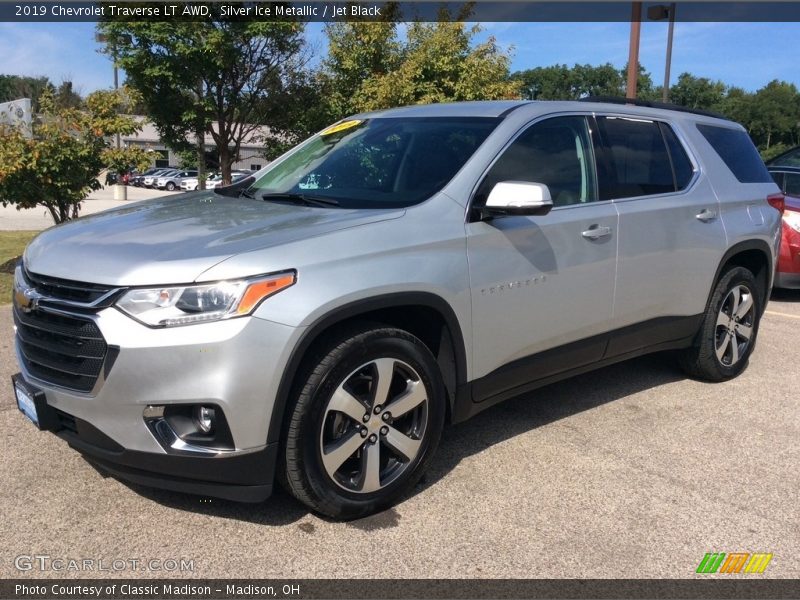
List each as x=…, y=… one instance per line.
x=792, y=219
x=184, y=305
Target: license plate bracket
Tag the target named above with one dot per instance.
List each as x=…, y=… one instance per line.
x=32, y=402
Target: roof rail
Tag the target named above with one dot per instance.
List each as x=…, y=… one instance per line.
x=650, y=104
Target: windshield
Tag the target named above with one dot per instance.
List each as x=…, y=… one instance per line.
x=377, y=163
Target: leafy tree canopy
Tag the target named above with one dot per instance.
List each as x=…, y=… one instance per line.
x=215, y=76
x=58, y=167
x=371, y=66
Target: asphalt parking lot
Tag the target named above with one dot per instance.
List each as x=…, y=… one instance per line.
x=631, y=471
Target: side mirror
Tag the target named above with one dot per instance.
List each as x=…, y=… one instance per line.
x=518, y=198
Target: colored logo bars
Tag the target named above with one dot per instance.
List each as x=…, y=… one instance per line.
x=734, y=562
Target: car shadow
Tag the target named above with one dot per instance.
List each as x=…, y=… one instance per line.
x=493, y=426
x=279, y=510
x=782, y=295
x=547, y=405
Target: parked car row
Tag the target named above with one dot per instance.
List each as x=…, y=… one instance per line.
x=190, y=184
x=171, y=178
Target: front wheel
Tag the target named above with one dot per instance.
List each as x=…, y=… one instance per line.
x=730, y=325
x=170, y=187
x=367, y=418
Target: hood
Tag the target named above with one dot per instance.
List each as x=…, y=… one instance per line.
x=173, y=240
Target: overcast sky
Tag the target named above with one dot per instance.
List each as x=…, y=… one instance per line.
x=748, y=55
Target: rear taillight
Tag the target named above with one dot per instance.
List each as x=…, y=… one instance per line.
x=777, y=201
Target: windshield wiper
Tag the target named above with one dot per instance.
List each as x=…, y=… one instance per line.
x=301, y=198
x=248, y=194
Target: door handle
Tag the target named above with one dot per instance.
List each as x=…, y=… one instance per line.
x=706, y=215
x=595, y=232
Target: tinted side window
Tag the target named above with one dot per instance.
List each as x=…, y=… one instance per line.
x=681, y=164
x=637, y=158
x=738, y=152
x=792, y=186
x=555, y=152
x=777, y=177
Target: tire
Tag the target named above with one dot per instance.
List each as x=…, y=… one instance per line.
x=170, y=187
x=733, y=313
x=336, y=461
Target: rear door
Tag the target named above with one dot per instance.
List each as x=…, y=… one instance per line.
x=671, y=238
x=541, y=282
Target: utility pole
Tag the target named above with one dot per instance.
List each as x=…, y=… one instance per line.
x=659, y=12
x=665, y=92
x=103, y=39
x=633, y=51
x=120, y=191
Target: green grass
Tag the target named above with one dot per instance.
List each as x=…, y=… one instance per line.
x=12, y=243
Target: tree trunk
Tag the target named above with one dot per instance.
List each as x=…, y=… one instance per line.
x=53, y=213
x=225, y=163
x=201, y=159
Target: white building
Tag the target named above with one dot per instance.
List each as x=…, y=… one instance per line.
x=251, y=152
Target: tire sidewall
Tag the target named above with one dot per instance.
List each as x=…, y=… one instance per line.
x=735, y=277
x=362, y=350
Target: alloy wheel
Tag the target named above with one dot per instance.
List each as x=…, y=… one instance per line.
x=734, y=328
x=373, y=425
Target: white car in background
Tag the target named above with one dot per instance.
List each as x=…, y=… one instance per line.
x=151, y=179
x=172, y=181
x=190, y=184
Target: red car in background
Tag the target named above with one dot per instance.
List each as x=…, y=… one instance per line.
x=788, y=272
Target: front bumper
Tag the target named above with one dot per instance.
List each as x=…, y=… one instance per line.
x=235, y=365
x=244, y=477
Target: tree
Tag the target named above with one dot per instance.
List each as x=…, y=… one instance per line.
x=217, y=76
x=372, y=68
x=560, y=82
x=776, y=114
x=58, y=167
x=697, y=92
x=546, y=83
x=14, y=87
x=645, y=90
x=358, y=52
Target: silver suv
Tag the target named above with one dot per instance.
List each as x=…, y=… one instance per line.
x=319, y=322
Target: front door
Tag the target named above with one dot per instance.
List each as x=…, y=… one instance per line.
x=541, y=283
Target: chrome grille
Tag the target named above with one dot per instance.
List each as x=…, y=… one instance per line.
x=66, y=291
x=57, y=339
x=66, y=350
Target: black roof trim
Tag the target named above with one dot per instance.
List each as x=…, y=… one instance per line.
x=508, y=111
x=650, y=104
x=782, y=169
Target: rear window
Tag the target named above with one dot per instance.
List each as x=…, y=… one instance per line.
x=737, y=151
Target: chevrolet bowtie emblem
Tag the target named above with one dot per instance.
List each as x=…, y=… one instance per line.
x=27, y=299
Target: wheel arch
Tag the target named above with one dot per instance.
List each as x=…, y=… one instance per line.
x=425, y=315
x=754, y=255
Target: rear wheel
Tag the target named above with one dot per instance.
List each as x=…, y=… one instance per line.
x=367, y=418
x=728, y=334
x=170, y=187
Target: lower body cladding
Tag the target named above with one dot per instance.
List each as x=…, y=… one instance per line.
x=184, y=408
